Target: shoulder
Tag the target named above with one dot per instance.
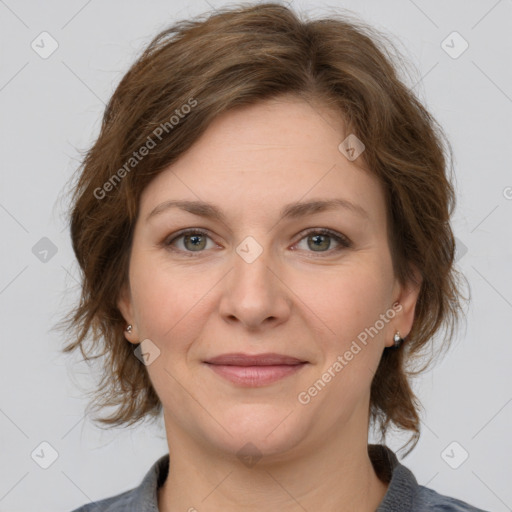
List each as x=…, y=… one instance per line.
x=117, y=503
x=427, y=500
x=143, y=497
x=404, y=494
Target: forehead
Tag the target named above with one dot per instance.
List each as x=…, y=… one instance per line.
x=267, y=155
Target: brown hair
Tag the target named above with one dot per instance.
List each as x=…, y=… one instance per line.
x=240, y=56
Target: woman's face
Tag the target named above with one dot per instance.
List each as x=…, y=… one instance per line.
x=254, y=281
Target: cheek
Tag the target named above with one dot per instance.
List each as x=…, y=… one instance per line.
x=352, y=331
x=166, y=300
x=348, y=300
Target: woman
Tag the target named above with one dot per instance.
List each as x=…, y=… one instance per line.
x=263, y=229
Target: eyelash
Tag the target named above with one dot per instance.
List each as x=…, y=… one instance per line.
x=343, y=241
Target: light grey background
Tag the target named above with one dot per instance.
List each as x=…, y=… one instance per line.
x=51, y=108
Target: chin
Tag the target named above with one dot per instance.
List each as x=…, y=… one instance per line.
x=263, y=429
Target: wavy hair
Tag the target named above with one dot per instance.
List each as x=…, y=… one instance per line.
x=240, y=56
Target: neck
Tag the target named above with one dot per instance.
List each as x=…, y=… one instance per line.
x=337, y=475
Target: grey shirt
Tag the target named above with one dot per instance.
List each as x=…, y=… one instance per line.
x=404, y=494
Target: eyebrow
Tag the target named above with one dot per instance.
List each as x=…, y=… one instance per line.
x=289, y=211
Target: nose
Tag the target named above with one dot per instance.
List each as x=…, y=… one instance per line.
x=255, y=294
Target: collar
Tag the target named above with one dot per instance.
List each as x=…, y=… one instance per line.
x=402, y=483
x=398, y=498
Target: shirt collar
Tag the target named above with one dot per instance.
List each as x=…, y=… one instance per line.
x=402, y=483
x=398, y=498
x=145, y=498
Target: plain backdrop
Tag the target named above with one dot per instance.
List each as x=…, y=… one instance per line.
x=51, y=108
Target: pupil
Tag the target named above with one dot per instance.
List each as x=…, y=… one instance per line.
x=318, y=240
x=195, y=240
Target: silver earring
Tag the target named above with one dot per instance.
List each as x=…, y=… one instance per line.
x=397, y=339
x=129, y=328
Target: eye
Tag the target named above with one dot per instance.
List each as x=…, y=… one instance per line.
x=194, y=240
x=320, y=238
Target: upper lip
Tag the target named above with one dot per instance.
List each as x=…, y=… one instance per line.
x=268, y=359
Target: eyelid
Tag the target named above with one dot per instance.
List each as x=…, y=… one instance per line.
x=169, y=240
x=343, y=241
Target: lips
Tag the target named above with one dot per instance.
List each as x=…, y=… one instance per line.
x=254, y=360
x=248, y=371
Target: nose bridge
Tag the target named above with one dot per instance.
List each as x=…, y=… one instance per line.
x=253, y=293
x=251, y=267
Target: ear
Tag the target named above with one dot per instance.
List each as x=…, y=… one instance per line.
x=407, y=296
x=124, y=303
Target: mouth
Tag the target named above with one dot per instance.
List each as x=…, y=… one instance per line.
x=255, y=370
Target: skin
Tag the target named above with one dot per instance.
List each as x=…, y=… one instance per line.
x=294, y=299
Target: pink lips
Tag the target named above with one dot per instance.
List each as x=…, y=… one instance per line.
x=254, y=370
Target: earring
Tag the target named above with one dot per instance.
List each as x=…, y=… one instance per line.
x=397, y=339
x=129, y=328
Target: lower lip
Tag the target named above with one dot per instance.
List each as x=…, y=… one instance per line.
x=254, y=376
